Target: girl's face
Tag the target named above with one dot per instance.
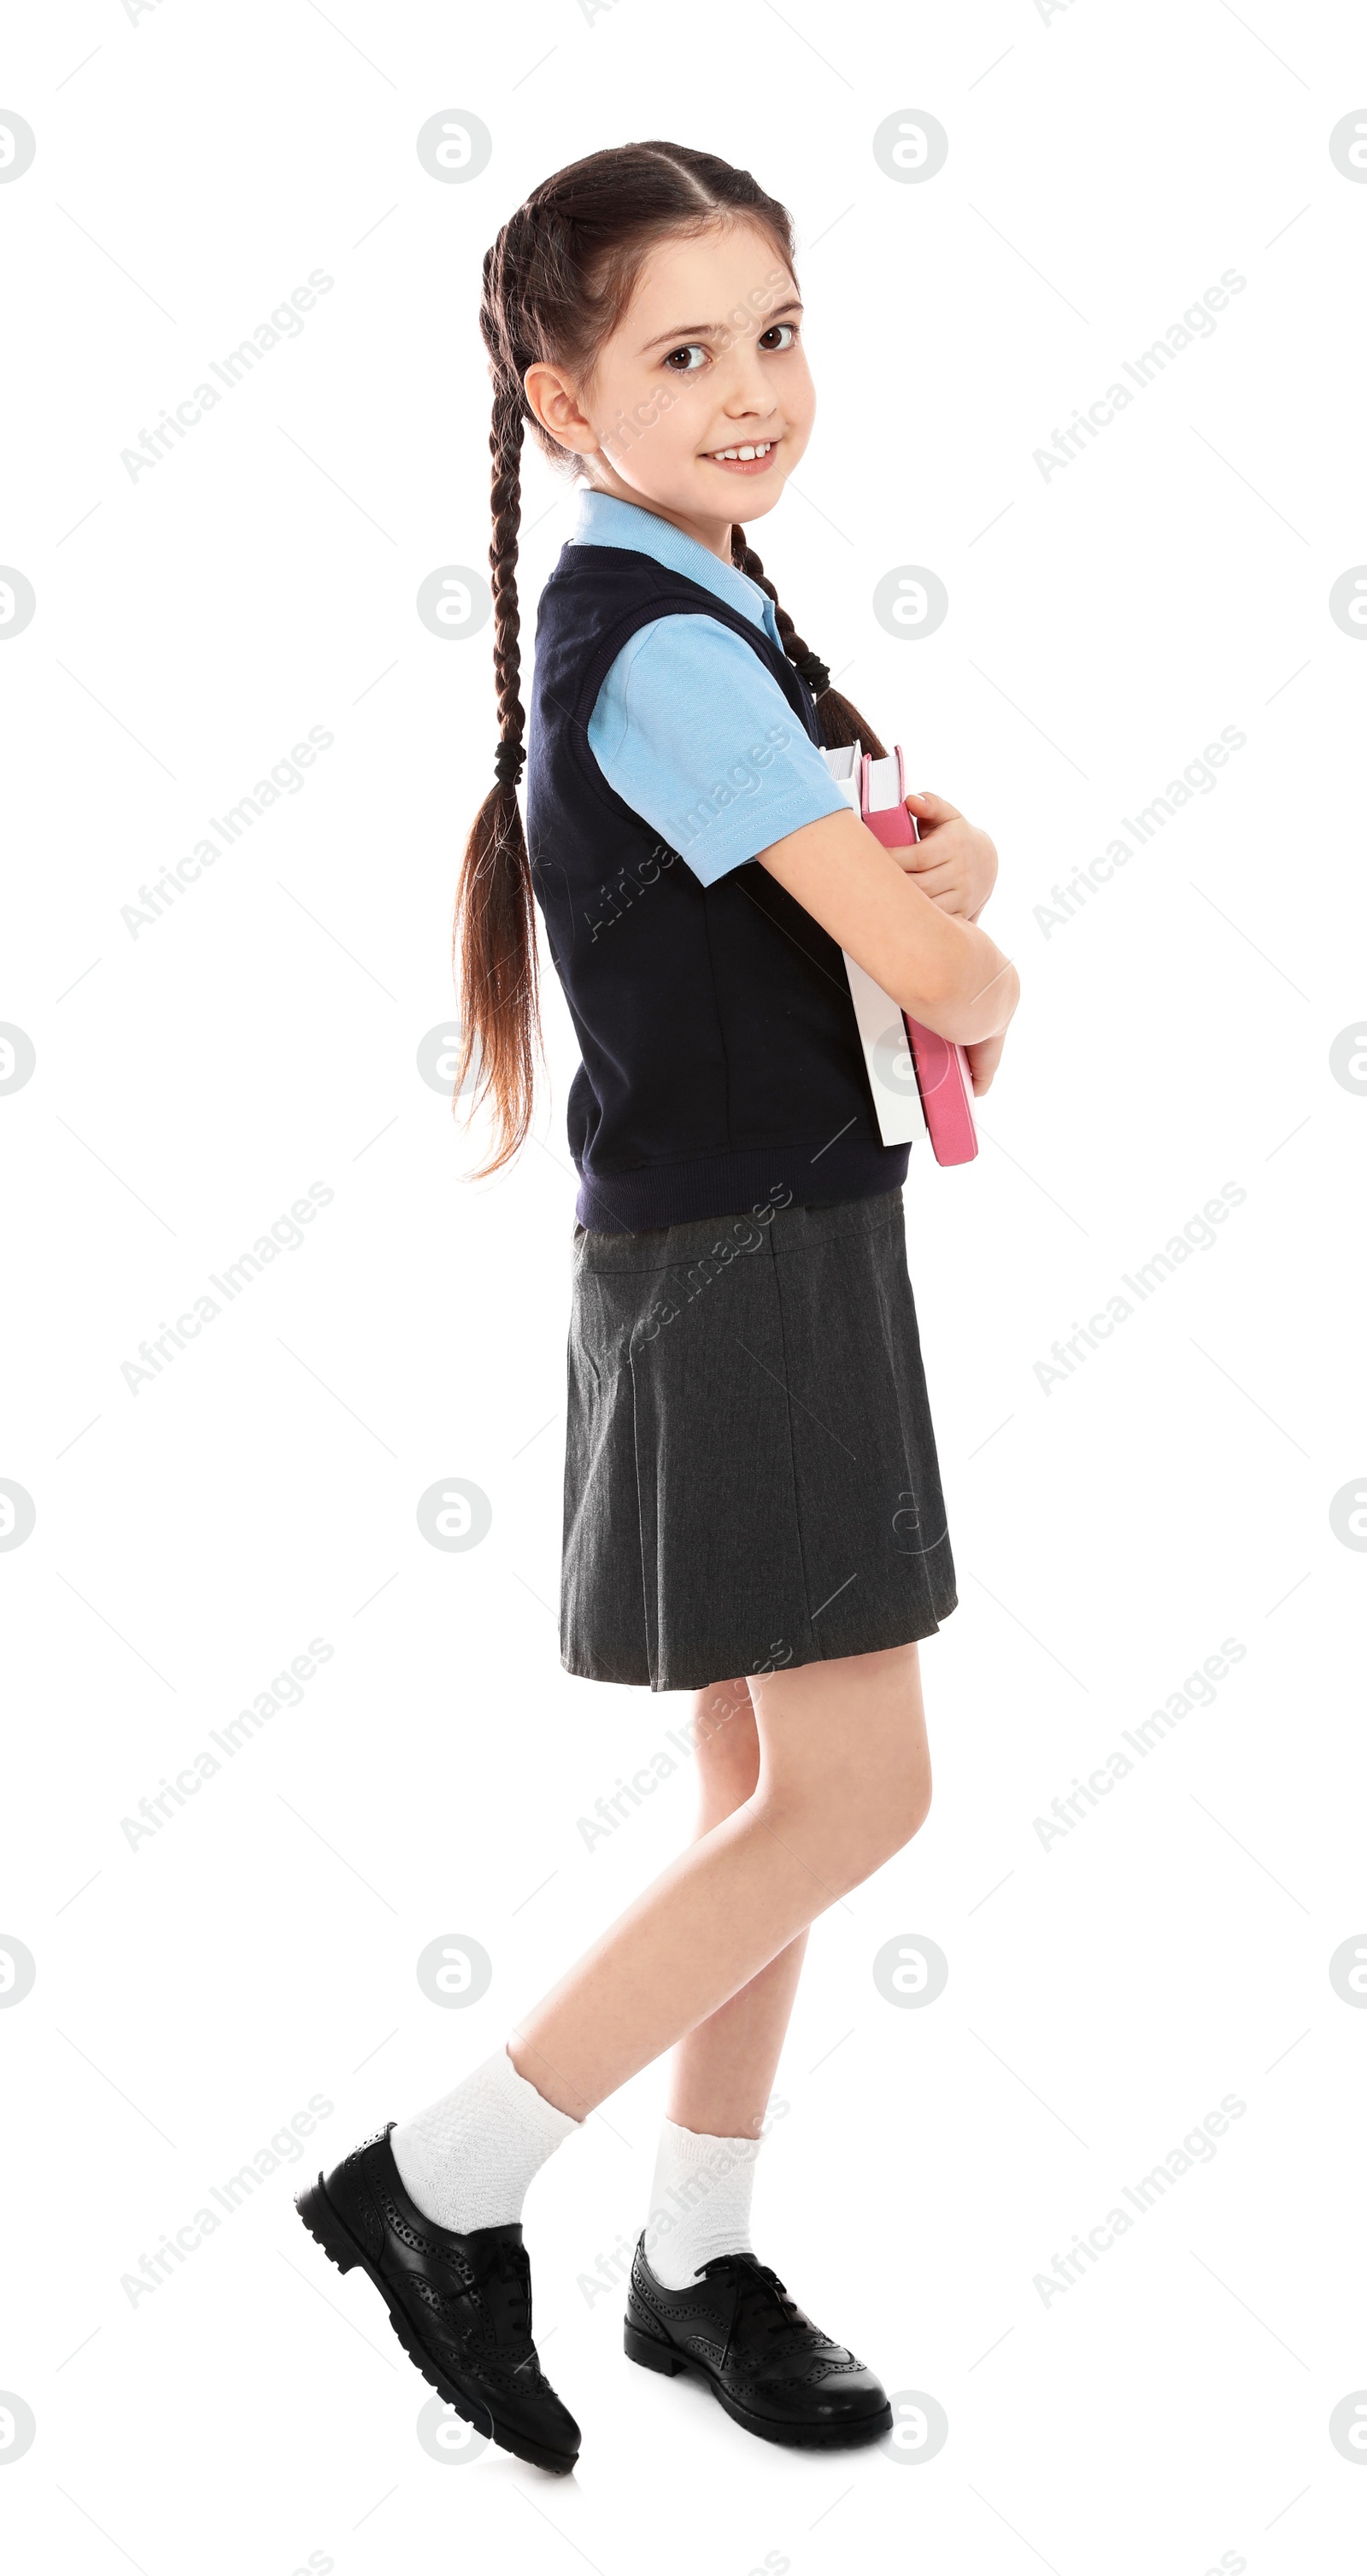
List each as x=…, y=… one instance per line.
x=707, y=359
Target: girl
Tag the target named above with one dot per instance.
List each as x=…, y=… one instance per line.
x=752, y=1499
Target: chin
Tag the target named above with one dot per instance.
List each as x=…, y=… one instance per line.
x=756, y=504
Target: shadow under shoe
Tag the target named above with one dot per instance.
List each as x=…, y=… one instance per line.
x=764, y=2361
x=461, y=2306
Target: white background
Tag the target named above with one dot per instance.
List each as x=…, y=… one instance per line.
x=1106, y=164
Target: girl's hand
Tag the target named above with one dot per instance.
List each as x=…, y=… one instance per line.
x=983, y=1060
x=953, y=862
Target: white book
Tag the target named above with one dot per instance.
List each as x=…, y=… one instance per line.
x=882, y=1026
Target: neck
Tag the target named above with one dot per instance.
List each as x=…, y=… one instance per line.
x=713, y=534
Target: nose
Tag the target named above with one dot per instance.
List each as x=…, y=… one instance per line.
x=748, y=395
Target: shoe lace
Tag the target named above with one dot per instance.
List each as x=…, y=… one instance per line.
x=510, y=2272
x=763, y=2302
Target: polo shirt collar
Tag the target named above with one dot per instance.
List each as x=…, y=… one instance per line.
x=602, y=520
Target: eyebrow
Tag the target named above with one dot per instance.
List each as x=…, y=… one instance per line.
x=710, y=330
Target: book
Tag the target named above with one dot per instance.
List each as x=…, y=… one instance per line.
x=919, y=1081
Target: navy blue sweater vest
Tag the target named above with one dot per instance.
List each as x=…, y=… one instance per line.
x=722, y=1066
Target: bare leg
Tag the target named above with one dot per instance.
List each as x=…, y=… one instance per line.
x=723, y=2070
x=844, y=1782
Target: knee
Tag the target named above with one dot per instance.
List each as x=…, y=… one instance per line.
x=845, y=1831
x=893, y=1817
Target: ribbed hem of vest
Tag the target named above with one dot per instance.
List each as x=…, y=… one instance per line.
x=766, y=1176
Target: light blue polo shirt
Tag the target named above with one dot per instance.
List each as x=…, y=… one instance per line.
x=689, y=727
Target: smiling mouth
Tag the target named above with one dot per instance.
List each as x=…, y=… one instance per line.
x=751, y=457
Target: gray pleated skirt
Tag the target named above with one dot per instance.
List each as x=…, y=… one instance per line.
x=750, y=1468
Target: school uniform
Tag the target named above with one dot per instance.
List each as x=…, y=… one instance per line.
x=750, y=1467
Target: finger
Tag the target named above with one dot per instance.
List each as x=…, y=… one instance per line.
x=933, y=876
x=929, y=808
x=936, y=848
x=948, y=896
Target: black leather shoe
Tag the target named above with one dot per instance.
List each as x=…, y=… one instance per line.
x=764, y=2361
x=461, y=2306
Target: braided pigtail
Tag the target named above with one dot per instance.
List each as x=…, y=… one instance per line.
x=556, y=283
x=841, y=723
x=494, y=934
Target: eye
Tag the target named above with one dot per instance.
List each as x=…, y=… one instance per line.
x=767, y=337
x=692, y=349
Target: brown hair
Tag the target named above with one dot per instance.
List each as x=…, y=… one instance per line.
x=556, y=283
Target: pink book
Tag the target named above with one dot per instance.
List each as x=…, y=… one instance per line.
x=942, y=1075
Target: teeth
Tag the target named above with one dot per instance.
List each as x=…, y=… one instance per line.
x=743, y=455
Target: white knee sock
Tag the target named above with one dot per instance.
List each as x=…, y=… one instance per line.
x=466, y=2160
x=699, y=2202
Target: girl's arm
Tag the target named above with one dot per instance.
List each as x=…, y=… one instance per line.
x=941, y=968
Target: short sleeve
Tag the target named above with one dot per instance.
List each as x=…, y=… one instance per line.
x=698, y=738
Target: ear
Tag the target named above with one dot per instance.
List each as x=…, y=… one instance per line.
x=551, y=398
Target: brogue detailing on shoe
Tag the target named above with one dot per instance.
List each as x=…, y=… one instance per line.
x=503, y=2369
x=440, y=2305
x=766, y=2382
x=417, y=2243
x=365, y=2146
x=684, y=2308
x=513, y=2368
x=789, y=2347
x=516, y=2379
x=407, y=2235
